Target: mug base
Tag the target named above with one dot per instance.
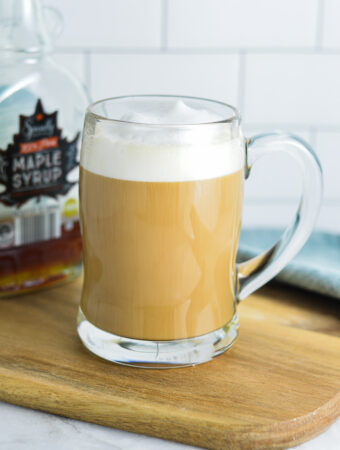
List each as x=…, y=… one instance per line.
x=156, y=354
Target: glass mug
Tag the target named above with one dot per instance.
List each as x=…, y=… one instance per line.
x=161, y=207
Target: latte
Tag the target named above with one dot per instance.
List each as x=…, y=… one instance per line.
x=160, y=225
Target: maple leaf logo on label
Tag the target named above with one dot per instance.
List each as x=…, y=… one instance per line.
x=38, y=161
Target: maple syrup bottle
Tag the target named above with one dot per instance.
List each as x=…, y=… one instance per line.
x=41, y=115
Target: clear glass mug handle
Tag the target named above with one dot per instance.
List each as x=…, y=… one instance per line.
x=254, y=273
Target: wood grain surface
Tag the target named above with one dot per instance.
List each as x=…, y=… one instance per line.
x=278, y=386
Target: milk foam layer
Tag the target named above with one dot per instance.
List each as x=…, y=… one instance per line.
x=164, y=154
x=170, y=113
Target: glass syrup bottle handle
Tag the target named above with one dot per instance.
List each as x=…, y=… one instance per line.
x=54, y=20
x=254, y=273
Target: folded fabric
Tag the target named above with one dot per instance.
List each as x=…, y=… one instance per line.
x=315, y=268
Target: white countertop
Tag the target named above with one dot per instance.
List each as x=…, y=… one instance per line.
x=25, y=429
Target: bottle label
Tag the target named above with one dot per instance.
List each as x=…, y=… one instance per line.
x=38, y=195
x=38, y=160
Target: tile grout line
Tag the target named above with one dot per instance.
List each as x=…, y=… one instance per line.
x=87, y=55
x=320, y=25
x=164, y=26
x=202, y=51
x=296, y=126
x=312, y=137
x=241, y=82
x=269, y=201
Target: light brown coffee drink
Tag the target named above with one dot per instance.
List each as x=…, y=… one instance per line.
x=161, y=216
x=159, y=256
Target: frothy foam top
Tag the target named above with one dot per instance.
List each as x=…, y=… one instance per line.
x=170, y=113
x=137, y=152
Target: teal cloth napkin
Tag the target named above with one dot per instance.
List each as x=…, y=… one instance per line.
x=316, y=267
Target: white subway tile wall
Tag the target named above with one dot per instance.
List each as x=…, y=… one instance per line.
x=241, y=23
x=214, y=76
x=74, y=63
x=278, y=61
x=327, y=146
x=294, y=89
x=331, y=37
x=110, y=23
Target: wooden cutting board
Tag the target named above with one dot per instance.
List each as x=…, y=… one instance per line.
x=277, y=387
